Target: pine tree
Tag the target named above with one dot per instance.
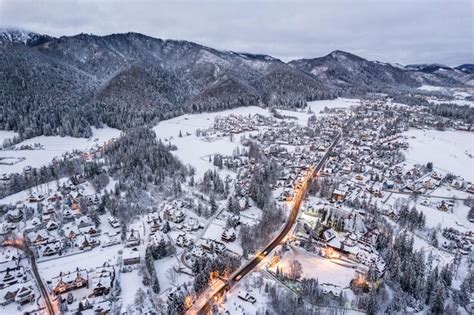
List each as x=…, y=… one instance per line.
x=372, y=305
x=437, y=306
x=156, y=286
x=434, y=239
x=447, y=275
x=161, y=248
x=230, y=204
x=372, y=274
x=466, y=289
x=212, y=202
x=166, y=227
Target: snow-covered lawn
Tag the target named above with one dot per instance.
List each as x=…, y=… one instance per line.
x=253, y=284
x=449, y=150
x=130, y=283
x=439, y=257
x=456, y=220
x=214, y=232
x=317, y=267
x=168, y=278
x=54, y=146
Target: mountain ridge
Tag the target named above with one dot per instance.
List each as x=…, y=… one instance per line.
x=132, y=79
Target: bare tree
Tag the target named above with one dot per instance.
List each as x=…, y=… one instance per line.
x=296, y=270
x=171, y=274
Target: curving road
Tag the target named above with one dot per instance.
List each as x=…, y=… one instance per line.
x=201, y=305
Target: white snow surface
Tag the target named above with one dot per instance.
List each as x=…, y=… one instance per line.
x=54, y=146
x=431, y=88
x=455, y=101
x=6, y=135
x=317, y=106
x=316, y=267
x=85, y=260
x=448, y=150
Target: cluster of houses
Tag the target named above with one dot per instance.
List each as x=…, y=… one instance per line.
x=368, y=162
x=235, y=124
x=55, y=224
x=94, y=283
x=16, y=284
x=365, y=171
x=343, y=231
x=456, y=240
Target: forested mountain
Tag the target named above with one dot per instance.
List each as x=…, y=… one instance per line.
x=355, y=75
x=65, y=85
x=466, y=68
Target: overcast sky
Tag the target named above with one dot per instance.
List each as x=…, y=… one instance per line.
x=404, y=31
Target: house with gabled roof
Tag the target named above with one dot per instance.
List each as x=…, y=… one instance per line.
x=20, y=293
x=132, y=238
x=70, y=281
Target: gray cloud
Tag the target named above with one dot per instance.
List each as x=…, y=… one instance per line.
x=393, y=30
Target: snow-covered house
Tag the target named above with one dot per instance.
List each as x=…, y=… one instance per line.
x=70, y=281
x=327, y=235
x=131, y=256
x=133, y=238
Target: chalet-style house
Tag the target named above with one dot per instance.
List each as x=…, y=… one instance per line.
x=69, y=281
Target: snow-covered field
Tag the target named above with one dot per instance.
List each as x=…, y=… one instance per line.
x=6, y=135
x=130, y=283
x=450, y=151
x=431, y=88
x=456, y=220
x=53, y=146
x=317, y=106
x=455, y=101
